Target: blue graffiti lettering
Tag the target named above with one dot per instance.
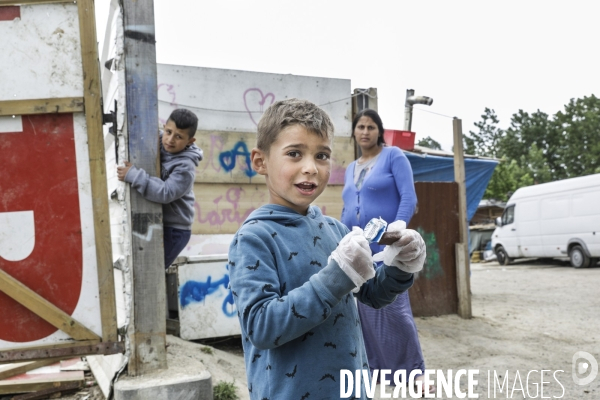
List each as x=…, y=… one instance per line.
x=227, y=159
x=195, y=292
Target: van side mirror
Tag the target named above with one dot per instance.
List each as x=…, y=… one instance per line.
x=498, y=221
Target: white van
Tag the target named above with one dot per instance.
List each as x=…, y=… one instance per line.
x=555, y=219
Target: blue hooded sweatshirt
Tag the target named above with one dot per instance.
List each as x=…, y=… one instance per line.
x=174, y=189
x=299, y=321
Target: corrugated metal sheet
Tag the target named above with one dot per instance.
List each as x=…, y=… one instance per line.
x=435, y=291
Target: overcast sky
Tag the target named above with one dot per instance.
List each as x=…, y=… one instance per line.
x=466, y=55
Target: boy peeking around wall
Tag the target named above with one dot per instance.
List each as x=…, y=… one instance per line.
x=179, y=157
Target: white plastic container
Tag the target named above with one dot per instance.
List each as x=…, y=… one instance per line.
x=203, y=300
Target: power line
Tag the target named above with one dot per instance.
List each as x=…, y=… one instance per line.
x=254, y=112
x=432, y=112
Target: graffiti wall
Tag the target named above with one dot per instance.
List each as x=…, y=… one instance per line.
x=229, y=105
x=227, y=158
x=232, y=100
x=221, y=208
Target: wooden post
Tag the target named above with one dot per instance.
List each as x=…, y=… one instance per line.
x=93, y=117
x=147, y=333
x=462, y=249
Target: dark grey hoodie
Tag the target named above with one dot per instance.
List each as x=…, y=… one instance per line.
x=174, y=189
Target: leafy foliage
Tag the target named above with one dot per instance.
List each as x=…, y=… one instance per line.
x=537, y=148
x=486, y=141
x=429, y=142
x=225, y=391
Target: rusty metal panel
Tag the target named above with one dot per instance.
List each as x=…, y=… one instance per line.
x=435, y=291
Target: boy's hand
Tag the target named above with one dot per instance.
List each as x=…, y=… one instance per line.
x=353, y=255
x=407, y=253
x=122, y=171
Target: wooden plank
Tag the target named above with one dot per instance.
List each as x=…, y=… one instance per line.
x=30, y=2
x=52, y=393
x=222, y=208
x=34, y=382
x=463, y=272
x=227, y=158
x=8, y=370
x=41, y=106
x=93, y=116
x=147, y=331
x=462, y=260
x=43, y=308
x=63, y=350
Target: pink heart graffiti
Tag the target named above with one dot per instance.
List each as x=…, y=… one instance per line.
x=260, y=103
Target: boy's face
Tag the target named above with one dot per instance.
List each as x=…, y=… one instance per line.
x=174, y=139
x=296, y=169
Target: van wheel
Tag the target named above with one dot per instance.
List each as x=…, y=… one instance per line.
x=578, y=258
x=503, y=258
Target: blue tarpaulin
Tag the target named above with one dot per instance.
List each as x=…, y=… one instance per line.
x=478, y=172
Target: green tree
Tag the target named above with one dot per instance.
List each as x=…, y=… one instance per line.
x=486, y=141
x=429, y=142
x=579, y=127
x=536, y=166
x=537, y=129
x=537, y=148
x=508, y=176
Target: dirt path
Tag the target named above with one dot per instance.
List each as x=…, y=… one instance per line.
x=526, y=317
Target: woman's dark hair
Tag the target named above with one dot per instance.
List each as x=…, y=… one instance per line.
x=367, y=112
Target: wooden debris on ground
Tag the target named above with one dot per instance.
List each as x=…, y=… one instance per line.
x=42, y=378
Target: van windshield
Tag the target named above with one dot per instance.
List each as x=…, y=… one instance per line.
x=508, y=217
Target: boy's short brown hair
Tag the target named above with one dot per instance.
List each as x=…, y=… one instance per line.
x=288, y=112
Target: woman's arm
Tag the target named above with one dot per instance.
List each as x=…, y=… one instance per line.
x=403, y=176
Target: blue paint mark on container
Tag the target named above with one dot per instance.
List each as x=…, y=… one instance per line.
x=196, y=292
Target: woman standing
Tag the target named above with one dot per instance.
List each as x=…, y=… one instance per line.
x=380, y=184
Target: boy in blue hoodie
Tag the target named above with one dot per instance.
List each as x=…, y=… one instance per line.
x=179, y=157
x=293, y=270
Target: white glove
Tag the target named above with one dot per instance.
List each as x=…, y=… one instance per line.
x=407, y=253
x=353, y=255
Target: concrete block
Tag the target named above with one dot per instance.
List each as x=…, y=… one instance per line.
x=184, y=379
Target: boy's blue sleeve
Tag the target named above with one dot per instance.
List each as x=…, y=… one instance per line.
x=382, y=290
x=178, y=183
x=267, y=317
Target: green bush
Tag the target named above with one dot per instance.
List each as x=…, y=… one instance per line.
x=225, y=391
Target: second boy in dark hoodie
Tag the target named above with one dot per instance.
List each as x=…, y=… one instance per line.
x=179, y=157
